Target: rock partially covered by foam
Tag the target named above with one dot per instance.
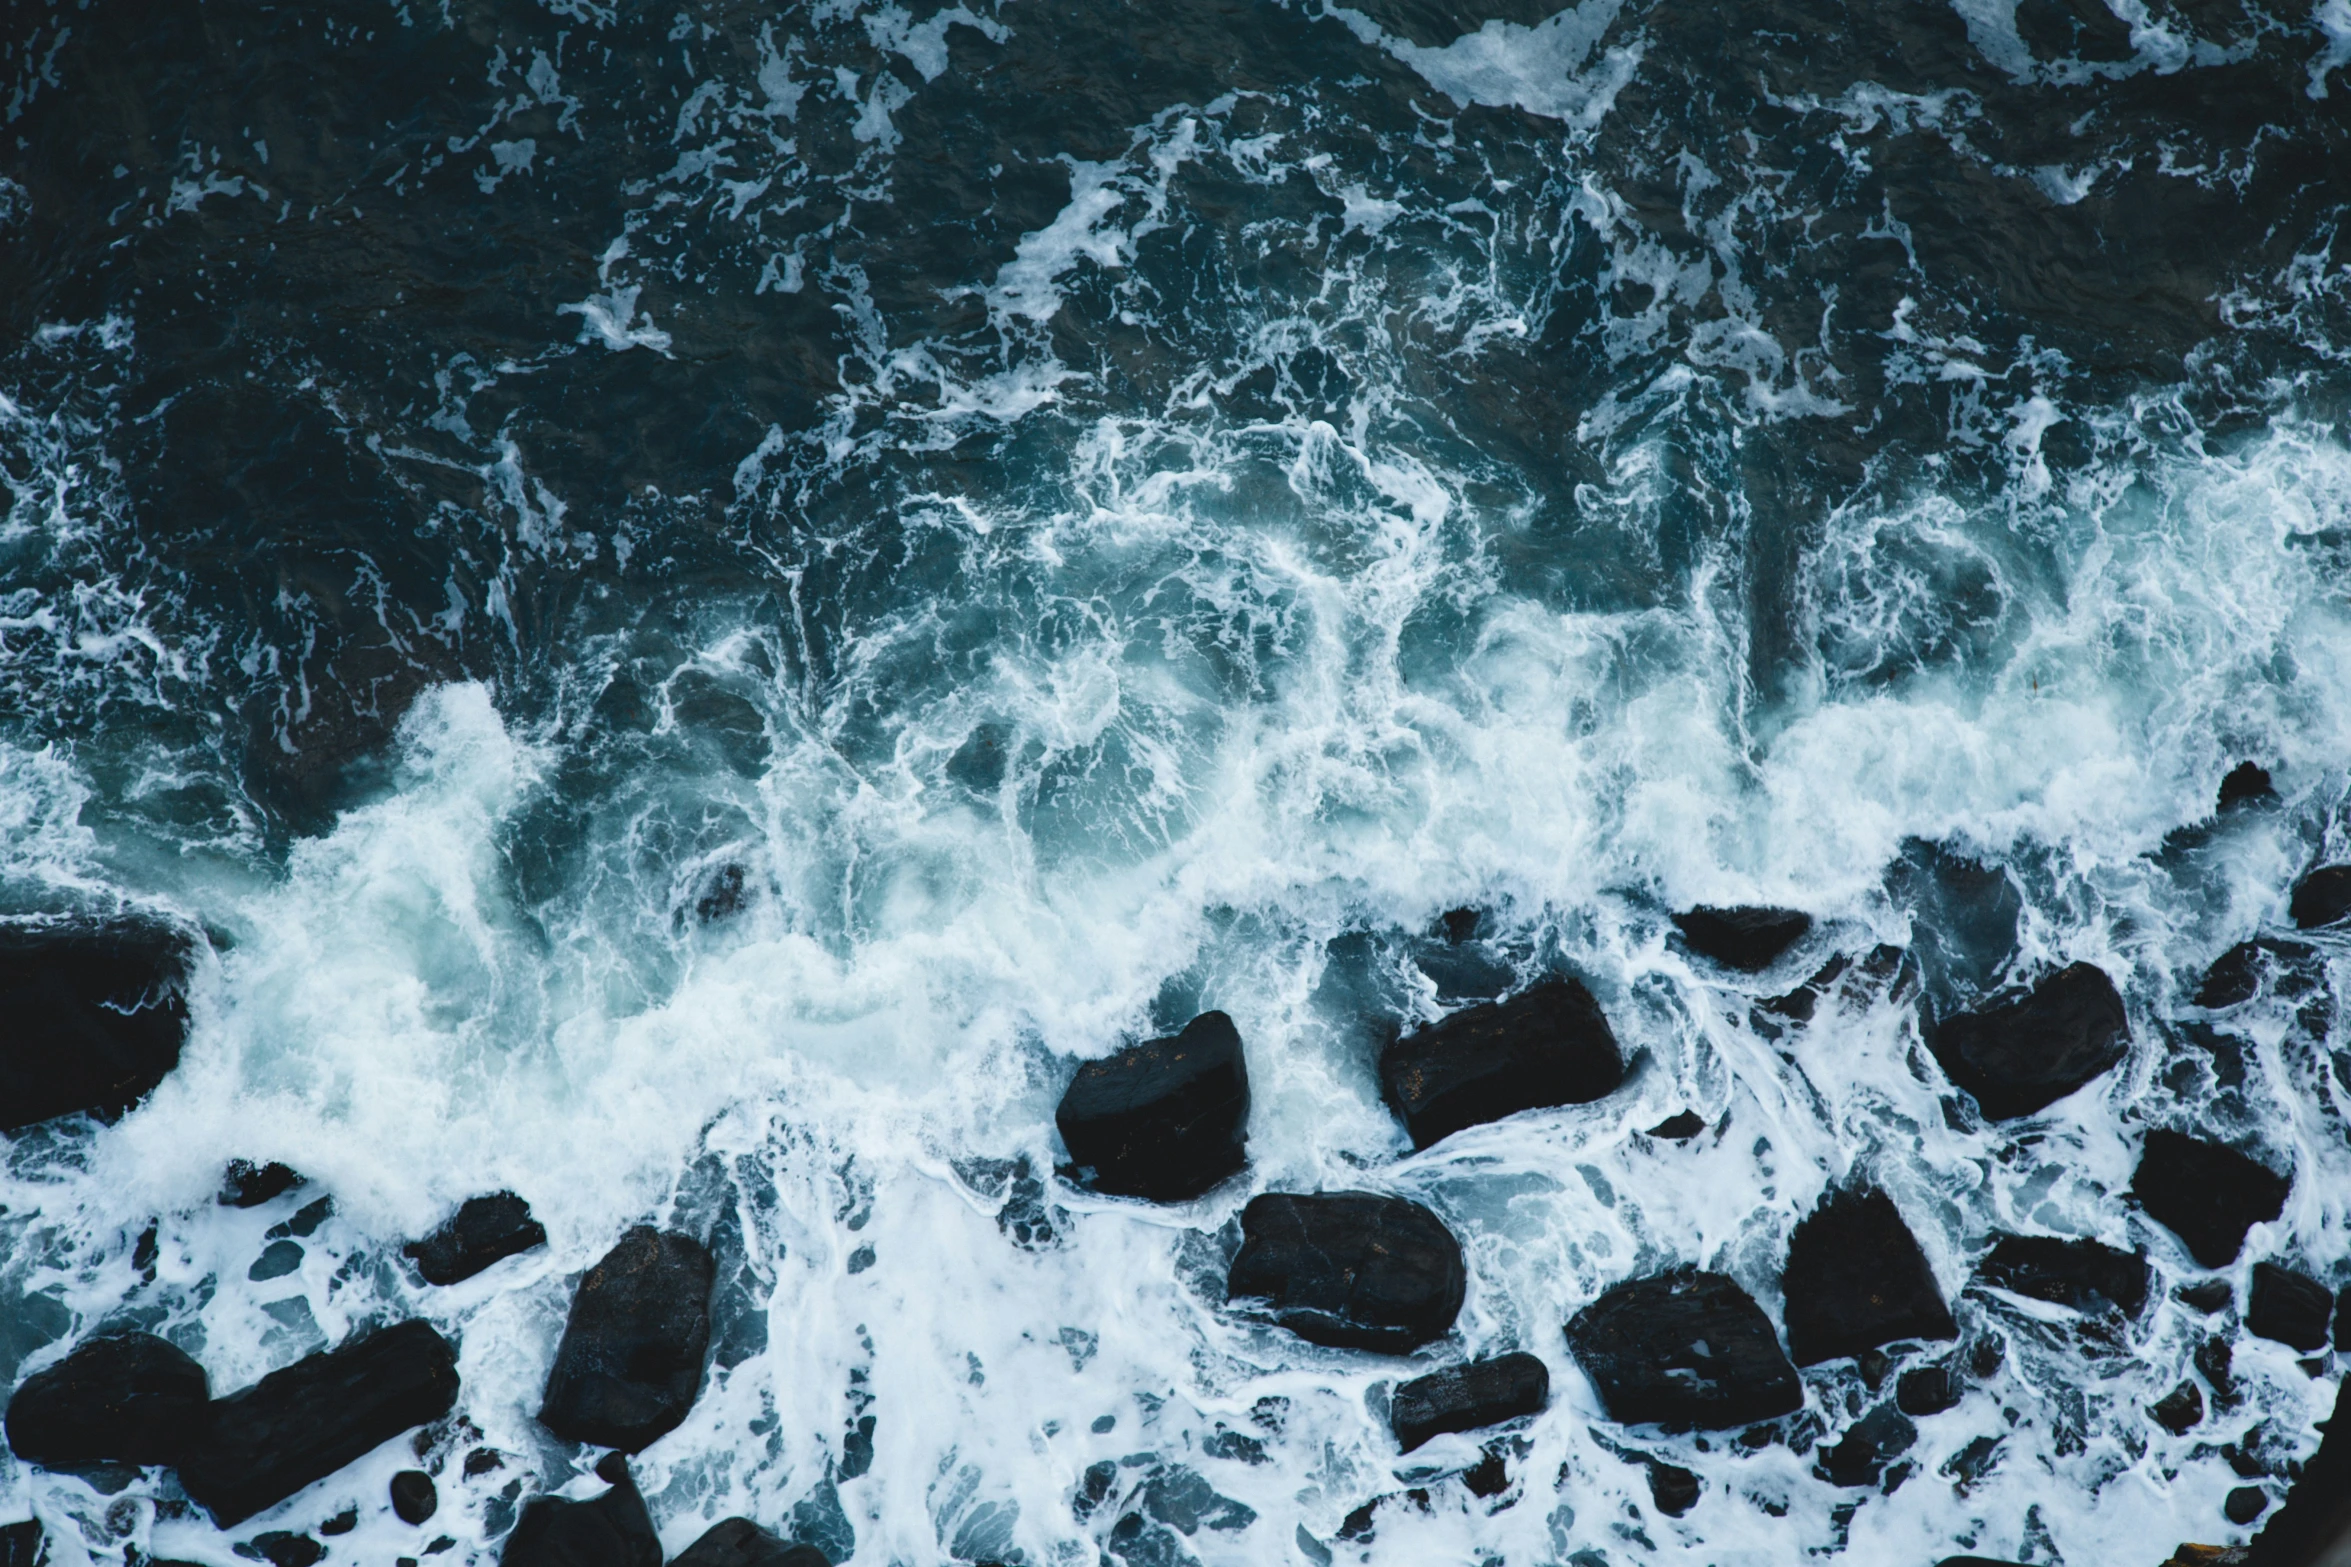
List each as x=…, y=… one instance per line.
x=2207, y=1195
x=1856, y=1279
x=2025, y=1053
x=1685, y=1349
x=1166, y=1119
x=95, y=1017
x=2313, y=1529
x=738, y=1542
x=630, y=1363
x=298, y=1425
x=2081, y=1274
x=482, y=1231
x=1548, y=1045
x=1469, y=1397
x=1354, y=1270
x=2322, y=898
x=127, y=1398
x=1747, y=939
x=2246, y=783
x=612, y=1530
x=2287, y=1308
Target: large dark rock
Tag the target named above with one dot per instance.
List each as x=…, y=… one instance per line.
x=1350, y=1269
x=2207, y=1195
x=301, y=1424
x=1549, y=1045
x=1856, y=1279
x=91, y=1017
x=482, y=1231
x=2322, y=898
x=1684, y=1349
x=2288, y=1308
x=127, y=1398
x=1747, y=939
x=2027, y=1052
x=610, y=1531
x=2077, y=1273
x=738, y=1542
x=1469, y=1397
x=1166, y=1119
x=630, y=1362
x=2313, y=1529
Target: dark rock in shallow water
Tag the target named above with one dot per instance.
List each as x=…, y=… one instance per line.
x=1876, y=1440
x=1468, y=1397
x=301, y=1424
x=738, y=1542
x=1684, y=1349
x=2287, y=1308
x=1856, y=1279
x=2246, y=782
x=285, y=1548
x=414, y=1496
x=1166, y=1119
x=23, y=1544
x=1679, y=1128
x=128, y=1398
x=2025, y=1053
x=2208, y=1296
x=611, y=1531
x=1747, y=939
x=2322, y=898
x=93, y=1016
x=1548, y=1045
x=2244, y=1504
x=1350, y=1269
x=2179, y=1411
x=1673, y=1488
x=2313, y=1529
x=2233, y=979
x=1928, y=1390
x=630, y=1363
x=2077, y=1273
x=249, y=1185
x=2207, y=1195
x=484, y=1230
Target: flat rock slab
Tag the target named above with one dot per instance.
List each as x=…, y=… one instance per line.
x=1747, y=939
x=127, y=1398
x=91, y=1017
x=2206, y=1194
x=298, y=1425
x=738, y=1542
x=2081, y=1274
x=1166, y=1119
x=1856, y=1279
x=483, y=1230
x=1684, y=1349
x=2322, y=898
x=630, y=1363
x=2024, y=1054
x=1549, y=1045
x=2287, y=1308
x=1469, y=1397
x=612, y=1530
x=1354, y=1270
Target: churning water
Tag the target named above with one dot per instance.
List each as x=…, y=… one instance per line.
x=700, y=600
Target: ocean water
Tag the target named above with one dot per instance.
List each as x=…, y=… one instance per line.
x=697, y=603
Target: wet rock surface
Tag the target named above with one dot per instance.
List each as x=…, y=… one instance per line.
x=414, y=1496
x=1875, y=1440
x=2247, y=783
x=1856, y=1279
x=127, y=1398
x=2022, y=1054
x=1747, y=939
x=2313, y=1528
x=612, y=1530
x=630, y=1361
x=1927, y=1390
x=1468, y=1397
x=1354, y=1270
x=738, y=1542
x=483, y=1231
x=2081, y=1274
x=2287, y=1307
x=1684, y=1349
x=1166, y=1119
x=23, y=1544
x=2322, y=898
x=1549, y=1045
x=95, y=1017
x=2206, y=1194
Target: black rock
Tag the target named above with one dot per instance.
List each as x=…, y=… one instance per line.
x=1166, y=1119
x=2244, y=1504
x=2234, y=978
x=2077, y=1273
x=2026, y=1052
x=300, y=1424
x=1673, y=1488
x=94, y=1017
x=1856, y=1279
x=23, y=1544
x=2207, y=1195
x=1747, y=939
x=2314, y=1525
x=1469, y=1397
x=738, y=1542
x=630, y=1363
x=1928, y=1390
x=611, y=1531
x=414, y=1496
x=285, y=1548
x=1976, y=1561
x=1350, y=1269
x=2206, y=1296
x=2322, y=898
x=2343, y=1319
x=1683, y=1349
x=249, y=1185
x=127, y=1398
x=2287, y=1308
x=1679, y=1127
x=484, y=1230
x=2246, y=782
x=2179, y=1411
x=1548, y=1045
x=1875, y=1440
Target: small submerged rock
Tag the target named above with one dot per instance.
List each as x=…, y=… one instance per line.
x=1747, y=939
x=2206, y=1194
x=2081, y=1274
x=612, y=1530
x=1354, y=1270
x=630, y=1362
x=1548, y=1045
x=1856, y=1279
x=1468, y=1397
x=2322, y=898
x=126, y=1398
x=2287, y=1308
x=1684, y=1348
x=95, y=1017
x=738, y=1542
x=1166, y=1119
x=483, y=1230
x=2024, y=1053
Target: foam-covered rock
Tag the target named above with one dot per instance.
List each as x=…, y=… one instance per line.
x=1355, y=1270
x=2206, y=1194
x=611, y=1530
x=300, y=1424
x=2029, y=1050
x=2246, y=783
x=2081, y=1274
x=630, y=1362
x=2322, y=898
x=1166, y=1119
x=1747, y=939
x=126, y=1398
x=1856, y=1279
x=1684, y=1349
x=2287, y=1308
x=738, y=1542
x=1548, y=1045
x=1468, y=1397
x=483, y=1230
x=94, y=1017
